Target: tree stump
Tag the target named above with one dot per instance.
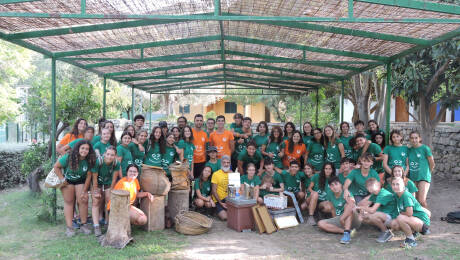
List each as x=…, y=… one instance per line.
x=33, y=179
x=155, y=212
x=177, y=202
x=119, y=231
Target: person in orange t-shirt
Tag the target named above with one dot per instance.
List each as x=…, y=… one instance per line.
x=131, y=184
x=76, y=133
x=222, y=139
x=200, y=139
x=294, y=149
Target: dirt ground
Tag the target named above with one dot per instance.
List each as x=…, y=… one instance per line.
x=307, y=242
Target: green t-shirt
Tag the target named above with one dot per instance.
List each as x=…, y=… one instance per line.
x=307, y=139
x=245, y=158
x=358, y=181
x=375, y=150
x=105, y=172
x=342, y=178
x=410, y=187
x=338, y=203
x=292, y=183
x=260, y=140
x=96, y=139
x=346, y=146
x=74, y=142
x=255, y=181
x=205, y=187
x=74, y=175
x=322, y=191
x=127, y=158
x=397, y=155
x=101, y=147
x=275, y=149
x=137, y=155
x=333, y=154
x=407, y=200
x=277, y=179
x=153, y=156
x=189, y=148
x=167, y=158
x=214, y=166
x=419, y=167
x=239, y=147
x=387, y=202
x=316, y=155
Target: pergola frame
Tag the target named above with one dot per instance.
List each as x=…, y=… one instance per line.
x=293, y=75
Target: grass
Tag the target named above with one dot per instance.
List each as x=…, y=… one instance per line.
x=22, y=235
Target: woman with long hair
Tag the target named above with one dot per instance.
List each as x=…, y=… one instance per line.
x=170, y=155
x=137, y=148
x=333, y=146
x=294, y=149
x=289, y=128
x=315, y=151
x=77, y=132
x=344, y=138
x=273, y=148
x=319, y=188
x=395, y=153
x=262, y=137
x=187, y=148
x=307, y=134
x=156, y=148
x=123, y=153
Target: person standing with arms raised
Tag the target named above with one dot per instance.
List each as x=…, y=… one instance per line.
x=222, y=139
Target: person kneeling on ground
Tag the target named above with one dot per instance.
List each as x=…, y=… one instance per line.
x=345, y=218
x=131, y=184
x=292, y=180
x=412, y=217
x=383, y=211
x=203, y=190
x=219, y=183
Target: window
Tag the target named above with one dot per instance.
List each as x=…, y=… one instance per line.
x=184, y=109
x=230, y=107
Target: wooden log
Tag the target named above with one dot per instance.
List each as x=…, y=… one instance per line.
x=119, y=231
x=155, y=212
x=177, y=202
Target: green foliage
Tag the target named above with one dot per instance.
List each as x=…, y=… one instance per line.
x=210, y=114
x=10, y=174
x=44, y=211
x=34, y=157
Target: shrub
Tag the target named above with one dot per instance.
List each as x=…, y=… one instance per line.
x=34, y=157
x=10, y=174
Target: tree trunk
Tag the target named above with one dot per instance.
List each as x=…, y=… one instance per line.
x=362, y=90
x=166, y=103
x=119, y=231
x=33, y=179
x=380, y=96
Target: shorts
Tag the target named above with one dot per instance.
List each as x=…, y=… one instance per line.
x=388, y=220
x=77, y=182
x=219, y=207
x=358, y=198
x=355, y=223
x=197, y=169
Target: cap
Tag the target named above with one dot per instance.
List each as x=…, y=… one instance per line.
x=163, y=124
x=211, y=149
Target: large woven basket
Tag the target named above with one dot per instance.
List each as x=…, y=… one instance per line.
x=192, y=223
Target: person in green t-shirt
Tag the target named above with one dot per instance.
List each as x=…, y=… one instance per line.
x=356, y=180
x=250, y=154
x=202, y=189
x=99, y=147
x=292, y=179
x=398, y=171
x=137, y=148
x=251, y=179
x=412, y=216
x=105, y=174
x=396, y=153
x=334, y=148
x=187, y=148
x=315, y=151
x=308, y=172
x=156, y=148
x=344, y=138
x=213, y=162
x=171, y=154
x=421, y=165
x=262, y=137
x=72, y=170
x=273, y=147
x=272, y=185
x=344, y=217
x=242, y=136
x=383, y=212
x=318, y=188
x=346, y=166
x=372, y=129
x=365, y=146
x=88, y=134
x=123, y=152
x=307, y=133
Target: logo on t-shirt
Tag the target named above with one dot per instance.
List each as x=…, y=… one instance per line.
x=419, y=155
x=403, y=154
x=85, y=168
x=202, y=139
x=224, y=139
x=171, y=153
x=298, y=151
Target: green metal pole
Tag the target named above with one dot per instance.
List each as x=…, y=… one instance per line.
x=301, y=108
x=6, y=131
x=388, y=104
x=17, y=133
x=150, y=112
x=53, y=125
x=132, y=104
x=104, y=98
x=317, y=108
x=342, y=94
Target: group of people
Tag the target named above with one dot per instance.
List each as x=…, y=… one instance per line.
x=340, y=178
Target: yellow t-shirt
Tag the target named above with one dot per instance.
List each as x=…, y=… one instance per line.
x=220, y=178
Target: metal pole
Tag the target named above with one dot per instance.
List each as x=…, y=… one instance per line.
x=53, y=125
x=300, y=118
x=342, y=94
x=104, y=98
x=150, y=113
x=6, y=131
x=317, y=108
x=132, y=104
x=388, y=104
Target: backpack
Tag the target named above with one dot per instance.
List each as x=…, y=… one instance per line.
x=453, y=217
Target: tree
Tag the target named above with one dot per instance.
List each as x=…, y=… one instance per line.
x=427, y=78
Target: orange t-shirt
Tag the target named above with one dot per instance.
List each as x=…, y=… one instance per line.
x=200, y=138
x=69, y=137
x=222, y=142
x=132, y=186
x=298, y=151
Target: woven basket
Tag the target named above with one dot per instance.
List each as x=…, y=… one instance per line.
x=192, y=223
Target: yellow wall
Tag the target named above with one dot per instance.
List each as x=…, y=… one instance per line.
x=219, y=108
x=194, y=109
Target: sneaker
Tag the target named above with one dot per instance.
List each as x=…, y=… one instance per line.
x=416, y=234
x=85, y=228
x=384, y=236
x=410, y=242
x=97, y=231
x=75, y=224
x=425, y=230
x=311, y=221
x=346, y=238
x=70, y=232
